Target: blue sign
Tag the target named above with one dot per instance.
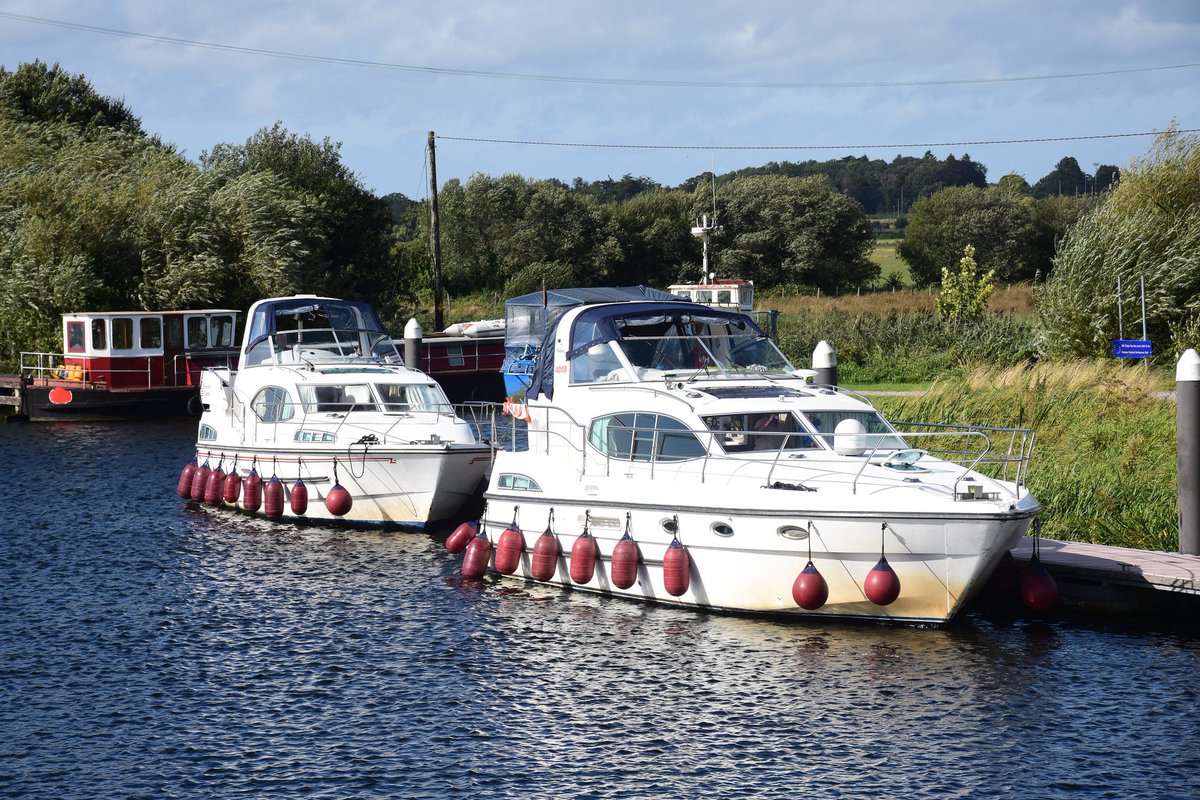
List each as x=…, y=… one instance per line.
x=1131, y=348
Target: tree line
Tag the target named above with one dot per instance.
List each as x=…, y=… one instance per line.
x=97, y=214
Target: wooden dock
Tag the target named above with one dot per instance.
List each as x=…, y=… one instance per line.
x=10, y=394
x=1097, y=577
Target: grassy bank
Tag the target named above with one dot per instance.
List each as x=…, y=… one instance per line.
x=1104, y=457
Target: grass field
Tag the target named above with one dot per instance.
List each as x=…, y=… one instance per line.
x=884, y=254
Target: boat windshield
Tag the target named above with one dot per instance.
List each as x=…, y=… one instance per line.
x=650, y=357
x=305, y=331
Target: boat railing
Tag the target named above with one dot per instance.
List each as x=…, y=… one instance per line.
x=1000, y=452
x=53, y=366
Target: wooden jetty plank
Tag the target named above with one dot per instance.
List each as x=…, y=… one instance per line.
x=1117, y=566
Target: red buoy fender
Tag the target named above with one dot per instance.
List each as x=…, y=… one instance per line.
x=214, y=487
x=299, y=498
x=200, y=482
x=462, y=536
x=273, y=498
x=882, y=585
x=623, y=567
x=253, y=496
x=184, y=489
x=233, y=487
x=509, y=550
x=1039, y=592
x=809, y=590
x=339, y=501
x=677, y=569
x=583, y=558
x=479, y=553
x=545, y=556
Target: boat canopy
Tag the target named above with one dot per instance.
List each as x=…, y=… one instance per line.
x=528, y=317
x=606, y=323
x=289, y=314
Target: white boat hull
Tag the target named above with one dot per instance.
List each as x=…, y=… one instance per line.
x=389, y=486
x=747, y=560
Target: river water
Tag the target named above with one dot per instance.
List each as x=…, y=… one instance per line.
x=152, y=649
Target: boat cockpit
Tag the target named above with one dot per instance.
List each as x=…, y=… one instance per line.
x=311, y=331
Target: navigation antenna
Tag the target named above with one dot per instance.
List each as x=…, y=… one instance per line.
x=705, y=230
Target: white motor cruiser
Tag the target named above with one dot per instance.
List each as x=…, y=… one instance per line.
x=322, y=420
x=674, y=455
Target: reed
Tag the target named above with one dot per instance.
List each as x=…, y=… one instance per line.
x=1104, y=459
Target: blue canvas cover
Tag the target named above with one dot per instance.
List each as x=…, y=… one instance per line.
x=604, y=323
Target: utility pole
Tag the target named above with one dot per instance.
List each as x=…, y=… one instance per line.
x=435, y=239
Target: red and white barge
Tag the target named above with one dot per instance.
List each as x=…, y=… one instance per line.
x=118, y=365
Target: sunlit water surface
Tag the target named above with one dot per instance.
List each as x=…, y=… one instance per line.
x=152, y=649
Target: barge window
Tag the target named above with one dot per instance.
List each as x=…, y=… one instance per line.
x=644, y=437
x=273, y=404
x=174, y=332
x=122, y=333
x=76, y=341
x=99, y=337
x=222, y=331
x=197, y=332
x=151, y=333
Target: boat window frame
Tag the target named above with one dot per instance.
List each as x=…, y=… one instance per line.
x=76, y=336
x=273, y=404
x=151, y=339
x=99, y=335
x=646, y=441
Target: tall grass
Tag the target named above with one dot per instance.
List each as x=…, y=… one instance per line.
x=1104, y=463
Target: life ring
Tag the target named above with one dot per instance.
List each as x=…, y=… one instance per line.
x=194, y=407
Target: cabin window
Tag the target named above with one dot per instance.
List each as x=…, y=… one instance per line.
x=76, y=341
x=207, y=433
x=150, y=333
x=518, y=482
x=400, y=397
x=221, y=330
x=122, y=333
x=273, y=404
x=99, y=336
x=763, y=431
x=344, y=399
x=644, y=437
x=197, y=332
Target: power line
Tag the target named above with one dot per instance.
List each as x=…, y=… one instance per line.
x=521, y=76
x=898, y=146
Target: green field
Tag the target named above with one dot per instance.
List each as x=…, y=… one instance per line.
x=884, y=254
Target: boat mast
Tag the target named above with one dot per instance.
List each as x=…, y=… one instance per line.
x=705, y=230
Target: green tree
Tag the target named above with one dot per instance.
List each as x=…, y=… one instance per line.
x=1147, y=227
x=346, y=244
x=38, y=93
x=965, y=294
x=1065, y=179
x=998, y=223
x=781, y=230
x=654, y=233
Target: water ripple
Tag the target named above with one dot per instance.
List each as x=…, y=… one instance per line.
x=153, y=649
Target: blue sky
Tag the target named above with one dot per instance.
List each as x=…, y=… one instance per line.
x=809, y=79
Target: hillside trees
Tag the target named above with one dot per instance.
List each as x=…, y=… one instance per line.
x=1148, y=226
x=95, y=215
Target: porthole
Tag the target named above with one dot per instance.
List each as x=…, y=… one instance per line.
x=792, y=532
x=671, y=526
x=722, y=529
